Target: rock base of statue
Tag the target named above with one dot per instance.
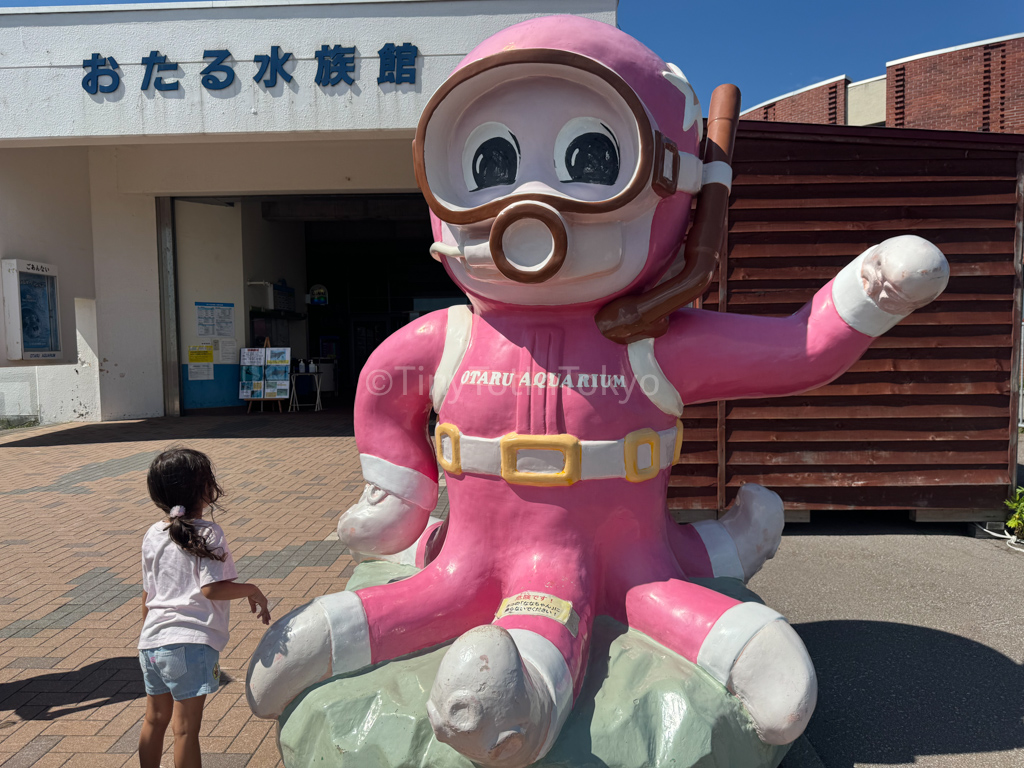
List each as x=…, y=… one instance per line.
x=641, y=706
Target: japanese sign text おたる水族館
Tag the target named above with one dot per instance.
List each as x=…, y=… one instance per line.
x=336, y=64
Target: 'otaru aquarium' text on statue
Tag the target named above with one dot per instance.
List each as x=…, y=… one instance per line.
x=559, y=162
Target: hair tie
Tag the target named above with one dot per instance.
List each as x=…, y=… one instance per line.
x=177, y=511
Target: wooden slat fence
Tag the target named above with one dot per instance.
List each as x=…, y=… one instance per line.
x=927, y=420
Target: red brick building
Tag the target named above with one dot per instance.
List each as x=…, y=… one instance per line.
x=974, y=87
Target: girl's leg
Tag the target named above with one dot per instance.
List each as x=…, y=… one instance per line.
x=185, y=723
x=154, y=726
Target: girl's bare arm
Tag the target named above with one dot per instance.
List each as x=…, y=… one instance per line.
x=232, y=590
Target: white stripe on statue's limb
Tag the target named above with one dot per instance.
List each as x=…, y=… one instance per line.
x=549, y=667
x=725, y=560
x=887, y=282
x=855, y=306
x=729, y=635
x=349, y=631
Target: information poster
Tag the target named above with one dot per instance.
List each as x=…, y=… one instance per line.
x=250, y=378
x=38, y=318
x=277, y=373
x=253, y=356
x=226, y=350
x=200, y=362
x=215, y=319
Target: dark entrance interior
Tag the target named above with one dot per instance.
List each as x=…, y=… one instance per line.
x=371, y=254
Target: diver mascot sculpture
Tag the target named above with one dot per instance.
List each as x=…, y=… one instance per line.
x=559, y=162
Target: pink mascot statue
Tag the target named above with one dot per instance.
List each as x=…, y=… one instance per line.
x=559, y=162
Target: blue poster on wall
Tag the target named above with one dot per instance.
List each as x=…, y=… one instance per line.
x=38, y=312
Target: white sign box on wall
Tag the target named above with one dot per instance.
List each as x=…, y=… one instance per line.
x=31, y=317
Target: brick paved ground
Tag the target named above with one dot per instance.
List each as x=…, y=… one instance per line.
x=73, y=509
x=915, y=628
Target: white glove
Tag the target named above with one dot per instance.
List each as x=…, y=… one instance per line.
x=889, y=281
x=381, y=523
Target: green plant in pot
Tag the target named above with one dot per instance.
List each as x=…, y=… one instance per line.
x=1015, y=525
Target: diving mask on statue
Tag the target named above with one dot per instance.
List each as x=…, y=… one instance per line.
x=520, y=226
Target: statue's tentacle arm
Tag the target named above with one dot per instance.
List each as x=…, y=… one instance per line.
x=747, y=647
x=721, y=356
x=393, y=402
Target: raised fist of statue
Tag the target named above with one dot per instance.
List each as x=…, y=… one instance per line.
x=889, y=281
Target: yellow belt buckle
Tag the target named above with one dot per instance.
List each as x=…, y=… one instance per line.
x=451, y=465
x=631, y=450
x=569, y=446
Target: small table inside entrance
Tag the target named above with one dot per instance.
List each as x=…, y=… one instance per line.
x=294, y=404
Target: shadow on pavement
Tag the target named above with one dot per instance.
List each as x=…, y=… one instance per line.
x=254, y=425
x=54, y=695
x=870, y=522
x=95, y=685
x=890, y=693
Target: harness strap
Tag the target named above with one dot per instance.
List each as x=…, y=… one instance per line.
x=456, y=341
x=558, y=459
x=652, y=380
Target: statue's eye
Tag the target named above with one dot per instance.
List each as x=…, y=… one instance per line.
x=587, y=152
x=491, y=157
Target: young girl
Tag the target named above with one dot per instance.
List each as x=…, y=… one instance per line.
x=188, y=579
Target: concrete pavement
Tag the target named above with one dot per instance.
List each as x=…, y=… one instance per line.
x=917, y=635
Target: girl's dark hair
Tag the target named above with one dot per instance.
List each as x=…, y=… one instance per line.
x=184, y=477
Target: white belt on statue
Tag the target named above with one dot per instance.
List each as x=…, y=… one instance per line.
x=558, y=459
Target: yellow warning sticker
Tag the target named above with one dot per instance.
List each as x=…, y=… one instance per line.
x=540, y=604
x=201, y=353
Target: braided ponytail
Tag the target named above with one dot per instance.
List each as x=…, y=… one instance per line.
x=181, y=483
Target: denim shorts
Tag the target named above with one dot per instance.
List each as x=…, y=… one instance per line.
x=184, y=670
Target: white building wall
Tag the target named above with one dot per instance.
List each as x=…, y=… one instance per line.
x=72, y=392
x=127, y=294
x=45, y=216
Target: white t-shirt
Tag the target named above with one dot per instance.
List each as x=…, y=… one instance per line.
x=173, y=581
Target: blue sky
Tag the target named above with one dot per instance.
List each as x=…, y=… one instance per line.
x=770, y=48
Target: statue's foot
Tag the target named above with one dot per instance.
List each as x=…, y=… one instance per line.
x=772, y=673
x=498, y=706
x=754, y=522
x=327, y=637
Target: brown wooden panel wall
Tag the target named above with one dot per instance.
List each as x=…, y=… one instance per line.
x=928, y=418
